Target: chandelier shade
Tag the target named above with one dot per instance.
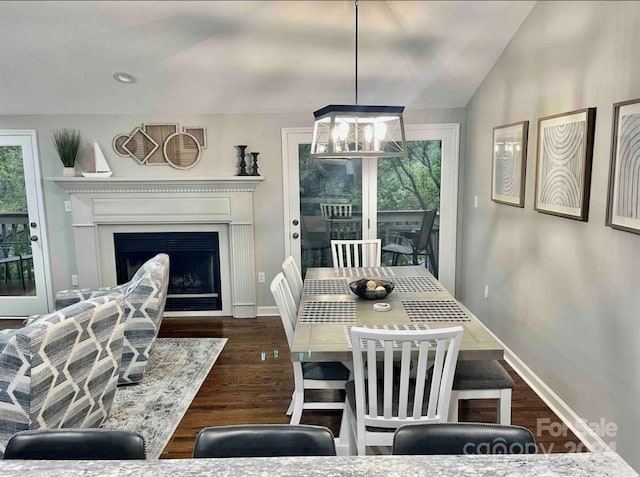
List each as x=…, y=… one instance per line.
x=358, y=131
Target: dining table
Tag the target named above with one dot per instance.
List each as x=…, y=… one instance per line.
x=329, y=309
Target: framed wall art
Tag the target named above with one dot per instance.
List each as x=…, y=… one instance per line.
x=159, y=132
x=563, y=169
x=509, y=163
x=623, y=207
x=199, y=132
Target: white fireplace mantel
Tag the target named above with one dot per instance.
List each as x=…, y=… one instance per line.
x=84, y=185
x=102, y=206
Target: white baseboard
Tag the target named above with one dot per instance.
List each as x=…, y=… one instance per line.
x=268, y=311
x=568, y=416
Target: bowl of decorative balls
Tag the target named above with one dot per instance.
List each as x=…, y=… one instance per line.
x=371, y=288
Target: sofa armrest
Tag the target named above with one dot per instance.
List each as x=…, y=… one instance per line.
x=65, y=298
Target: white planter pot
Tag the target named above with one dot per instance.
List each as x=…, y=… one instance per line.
x=68, y=171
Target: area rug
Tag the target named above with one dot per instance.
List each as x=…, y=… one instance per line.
x=154, y=407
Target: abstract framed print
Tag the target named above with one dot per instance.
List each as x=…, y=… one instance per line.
x=623, y=207
x=509, y=163
x=563, y=169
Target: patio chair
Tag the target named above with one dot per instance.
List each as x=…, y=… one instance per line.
x=264, y=441
x=336, y=210
x=76, y=444
x=469, y=438
x=10, y=256
x=329, y=375
x=377, y=405
x=413, y=244
x=356, y=253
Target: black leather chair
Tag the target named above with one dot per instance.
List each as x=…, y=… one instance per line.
x=76, y=444
x=264, y=441
x=467, y=438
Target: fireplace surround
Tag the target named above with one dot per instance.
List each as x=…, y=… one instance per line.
x=102, y=208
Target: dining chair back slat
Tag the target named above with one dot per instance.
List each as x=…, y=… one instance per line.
x=286, y=305
x=294, y=279
x=402, y=396
x=356, y=253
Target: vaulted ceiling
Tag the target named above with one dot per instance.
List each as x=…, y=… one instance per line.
x=246, y=56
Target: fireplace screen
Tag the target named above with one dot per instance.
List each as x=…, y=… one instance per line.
x=194, y=265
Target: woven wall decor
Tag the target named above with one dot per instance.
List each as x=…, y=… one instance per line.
x=150, y=146
x=140, y=145
x=118, y=141
x=181, y=150
x=199, y=132
x=159, y=133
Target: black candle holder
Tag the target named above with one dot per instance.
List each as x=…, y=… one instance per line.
x=243, y=163
x=254, y=171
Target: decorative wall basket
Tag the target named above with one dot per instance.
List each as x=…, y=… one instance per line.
x=182, y=150
x=199, y=133
x=118, y=142
x=159, y=133
x=161, y=144
x=140, y=146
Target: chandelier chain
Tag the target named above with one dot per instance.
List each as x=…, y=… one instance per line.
x=356, y=66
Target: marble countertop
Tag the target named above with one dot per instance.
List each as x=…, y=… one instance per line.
x=575, y=465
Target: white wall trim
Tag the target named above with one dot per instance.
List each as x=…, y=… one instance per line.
x=291, y=137
x=568, y=416
x=268, y=311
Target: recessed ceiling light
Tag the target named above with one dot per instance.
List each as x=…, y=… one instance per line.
x=125, y=78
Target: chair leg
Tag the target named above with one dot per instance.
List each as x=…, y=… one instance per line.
x=504, y=407
x=361, y=443
x=298, y=404
x=453, y=407
x=290, y=408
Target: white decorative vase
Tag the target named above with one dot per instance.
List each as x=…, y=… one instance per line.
x=68, y=171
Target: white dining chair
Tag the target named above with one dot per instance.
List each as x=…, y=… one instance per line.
x=356, y=253
x=294, y=279
x=325, y=375
x=382, y=398
x=336, y=210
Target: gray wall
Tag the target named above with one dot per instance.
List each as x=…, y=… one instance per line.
x=563, y=294
x=261, y=132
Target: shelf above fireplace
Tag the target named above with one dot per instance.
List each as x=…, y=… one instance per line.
x=79, y=185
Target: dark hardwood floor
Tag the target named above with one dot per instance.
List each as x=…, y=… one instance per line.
x=244, y=389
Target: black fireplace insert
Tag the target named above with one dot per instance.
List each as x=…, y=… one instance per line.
x=194, y=265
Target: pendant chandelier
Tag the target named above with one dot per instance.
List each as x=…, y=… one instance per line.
x=358, y=131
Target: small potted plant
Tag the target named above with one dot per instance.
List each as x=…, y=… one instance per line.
x=67, y=142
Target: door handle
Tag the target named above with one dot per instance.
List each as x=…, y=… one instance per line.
x=33, y=225
x=295, y=222
x=33, y=238
x=295, y=235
